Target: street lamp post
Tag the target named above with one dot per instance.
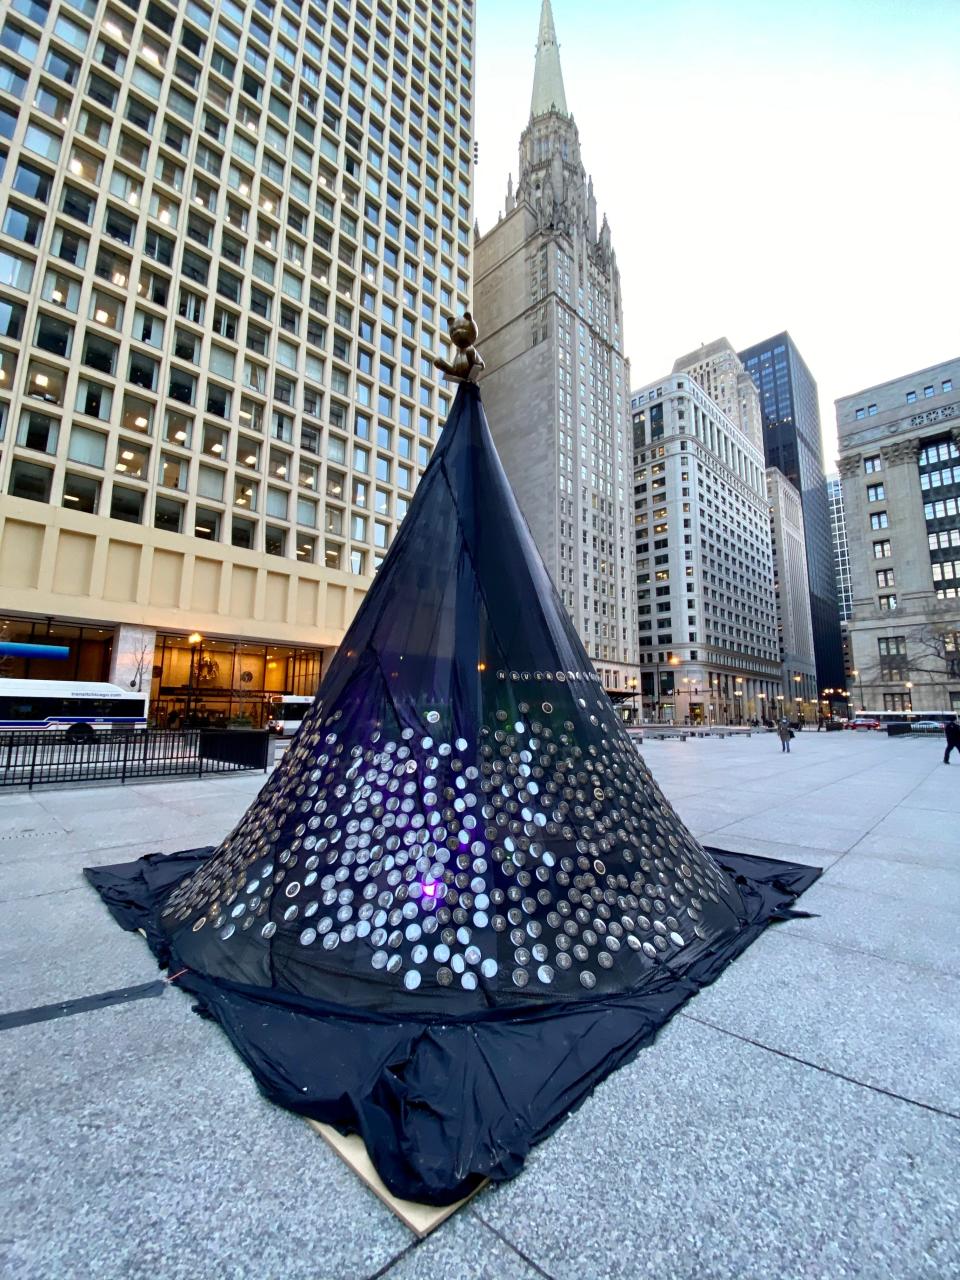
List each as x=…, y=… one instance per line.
x=632, y=685
x=856, y=676
x=195, y=641
x=738, y=694
x=909, y=687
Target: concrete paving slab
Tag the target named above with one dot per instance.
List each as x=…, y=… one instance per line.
x=911, y=850
x=465, y=1248
x=937, y=886
x=170, y=1167
x=815, y=834
x=937, y=831
x=708, y=1157
x=876, y=1021
x=856, y=919
x=64, y=945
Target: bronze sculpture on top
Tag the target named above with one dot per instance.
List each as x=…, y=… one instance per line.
x=461, y=899
x=467, y=363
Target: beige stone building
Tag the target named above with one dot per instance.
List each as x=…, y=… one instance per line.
x=707, y=620
x=556, y=389
x=792, y=592
x=232, y=235
x=718, y=369
x=900, y=467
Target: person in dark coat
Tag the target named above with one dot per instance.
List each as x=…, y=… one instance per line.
x=952, y=730
x=784, y=733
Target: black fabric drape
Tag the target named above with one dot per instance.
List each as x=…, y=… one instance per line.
x=461, y=899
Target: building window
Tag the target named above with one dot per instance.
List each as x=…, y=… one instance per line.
x=881, y=550
x=892, y=652
x=86, y=446
x=875, y=493
x=888, y=603
x=27, y=480
x=81, y=493
x=168, y=515
x=275, y=540
x=879, y=520
x=872, y=464
x=38, y=432
x=126, y=504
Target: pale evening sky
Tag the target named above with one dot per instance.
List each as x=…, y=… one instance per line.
x=763, y=166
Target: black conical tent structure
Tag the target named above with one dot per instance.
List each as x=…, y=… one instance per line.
x=461, y=899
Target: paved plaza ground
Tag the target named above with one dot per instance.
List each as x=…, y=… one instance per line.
x=800, y=1118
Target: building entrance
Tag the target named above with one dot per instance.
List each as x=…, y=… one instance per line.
x=199, y=682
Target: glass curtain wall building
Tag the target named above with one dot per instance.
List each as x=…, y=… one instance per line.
x=231, y=236
x=792, y=442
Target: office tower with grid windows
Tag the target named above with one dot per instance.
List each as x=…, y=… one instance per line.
x=231, y=236
x=707, y=617
x=841, y=553
x=900, y=469
x=793, y=444
x=792, y=593
x=556, y=388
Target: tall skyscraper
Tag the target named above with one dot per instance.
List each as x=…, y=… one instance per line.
x=900, y=466
x=794, y=628
x=792, y=442
x=705, y=591
x=841, y=553
x=556, y=388
x=718, y=369
x=231, y=237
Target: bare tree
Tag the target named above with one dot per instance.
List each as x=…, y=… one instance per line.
x=936, y=650
x=137, y=681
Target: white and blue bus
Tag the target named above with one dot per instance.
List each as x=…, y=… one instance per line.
x=74, y=706
x=284, y=716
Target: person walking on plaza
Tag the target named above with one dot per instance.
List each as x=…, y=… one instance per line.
x=952, y=730
x=784, y=733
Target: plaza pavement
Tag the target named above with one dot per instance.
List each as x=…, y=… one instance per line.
x=800, y=1118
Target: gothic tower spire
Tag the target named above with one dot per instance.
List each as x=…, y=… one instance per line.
x=548, y=92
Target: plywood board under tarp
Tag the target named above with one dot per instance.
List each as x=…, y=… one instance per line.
x=420, y=1218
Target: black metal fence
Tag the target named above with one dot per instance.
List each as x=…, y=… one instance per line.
x=30, y=759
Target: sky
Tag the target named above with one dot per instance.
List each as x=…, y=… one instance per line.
x=763, y=167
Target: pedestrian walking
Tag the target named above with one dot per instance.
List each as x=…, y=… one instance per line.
x=784, y=733
x=952, y=730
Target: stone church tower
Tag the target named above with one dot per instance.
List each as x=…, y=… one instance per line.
x=557, y=386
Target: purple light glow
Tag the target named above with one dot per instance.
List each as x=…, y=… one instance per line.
x=430, y=888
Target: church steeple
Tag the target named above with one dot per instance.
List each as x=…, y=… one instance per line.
x=548, y=94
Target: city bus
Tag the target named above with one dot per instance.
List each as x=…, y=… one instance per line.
x=75, y=706
x=285, y=715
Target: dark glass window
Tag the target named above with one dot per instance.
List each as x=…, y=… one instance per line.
x=59, y=65
x=126, y=504
x=77, y=204
x=32, y=182
x=27, y=480
x=118, y=226
x=12, y=315
x=81, y=493
x=53, y=335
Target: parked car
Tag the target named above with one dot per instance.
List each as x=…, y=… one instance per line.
x=927, y=726
x=863, y=722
